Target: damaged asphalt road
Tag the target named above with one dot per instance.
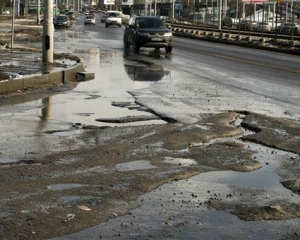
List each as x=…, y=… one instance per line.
x=81, y=180
x=72, y=190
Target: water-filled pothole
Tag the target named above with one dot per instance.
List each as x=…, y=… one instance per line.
x=134, y=165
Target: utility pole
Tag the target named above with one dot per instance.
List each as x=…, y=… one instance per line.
x=220, y=14
x=48, y=33
x=12, y=26
x=173, y=10
x=38, y=10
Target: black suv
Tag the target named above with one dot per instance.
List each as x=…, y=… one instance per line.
x=149, y=32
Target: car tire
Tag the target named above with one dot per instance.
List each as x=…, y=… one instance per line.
x=106, y=25
x=120, y=25
x=169, y=49
x=136, y=47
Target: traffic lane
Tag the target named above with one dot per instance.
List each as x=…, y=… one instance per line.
x=271, y=66
x=216, y=85
x=250, y=86
x=102, y=32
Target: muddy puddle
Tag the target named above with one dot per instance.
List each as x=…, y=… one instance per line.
x=180, y=210
x=135, y=165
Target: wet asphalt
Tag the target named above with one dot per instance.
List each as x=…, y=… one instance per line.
x=204, y=206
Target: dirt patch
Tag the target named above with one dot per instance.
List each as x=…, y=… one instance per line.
x=63, y=193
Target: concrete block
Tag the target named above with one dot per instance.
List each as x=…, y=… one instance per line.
x=85, y=76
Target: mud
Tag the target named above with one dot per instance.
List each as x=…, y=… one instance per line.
x=72, y=190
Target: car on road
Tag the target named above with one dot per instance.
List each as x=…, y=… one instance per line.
x=5, y=12
x=247, y=25
x=230, y=22
x=89, y=19
x=92, y=12
x=264, y=26
x=288, y=27
x=71, y=15
x=62, y=21
x=113, y=18
x=103, y=17
x=148, y=32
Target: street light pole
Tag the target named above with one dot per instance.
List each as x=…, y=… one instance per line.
x=173, y=10
x=48, y=33
x=220, y=14
x=38, y=17
x=12, y=26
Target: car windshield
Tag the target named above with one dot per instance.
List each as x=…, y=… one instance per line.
x=89, y=17
x=116, y=15
x=150, y=23
x=61, y=18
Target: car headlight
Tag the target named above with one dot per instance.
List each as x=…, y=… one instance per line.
x=168, y=34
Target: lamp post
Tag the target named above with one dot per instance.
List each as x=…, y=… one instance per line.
x=48, y=33
x=12, y=26
x=220, y=14
x=173, y=10
x=38, y=17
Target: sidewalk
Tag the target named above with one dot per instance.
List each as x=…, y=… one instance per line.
x=24, y=61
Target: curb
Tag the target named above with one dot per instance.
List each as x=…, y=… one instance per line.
x=54, y=78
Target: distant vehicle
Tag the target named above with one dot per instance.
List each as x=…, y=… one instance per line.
x=89, y=19
x=62, y=20
x=92, y=12
x=246, y=25
x=264, y=26
x=113, y=18
x=288, y=27
x=149, y=32
x=103, y=17
x=5, y=12
x=230, y=22
x=71, y=15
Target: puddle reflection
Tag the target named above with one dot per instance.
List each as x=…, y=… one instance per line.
x=148, y=73
x=139, y=70
x=47, y=107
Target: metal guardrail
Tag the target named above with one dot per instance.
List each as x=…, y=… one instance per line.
x=202, y=31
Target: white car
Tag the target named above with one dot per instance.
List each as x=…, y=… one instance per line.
x=264, y=26
x=89, y=19
x=5, y=12
x=113, y=18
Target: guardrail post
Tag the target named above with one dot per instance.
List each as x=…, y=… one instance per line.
x=261, y=42
x=228, y=35
x=221, y=35
x=249, y=38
